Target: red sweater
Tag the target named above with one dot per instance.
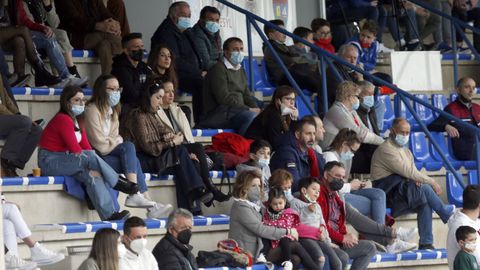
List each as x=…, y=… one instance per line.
x=336, y=236
x=23, y=19
x=59, y=136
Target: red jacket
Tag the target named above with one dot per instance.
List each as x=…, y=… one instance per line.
x=336, y=236
x=23, y=19
x=59, y=136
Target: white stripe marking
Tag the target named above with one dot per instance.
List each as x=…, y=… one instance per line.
x=28, y=91
x=209, y=221
x=439, y=254
x=378, y=258
x=89, y=228
x=51, y=91
x=419, y=256
x=25, y=181
x=85, y=53
x=51, y=180
x=199, y=132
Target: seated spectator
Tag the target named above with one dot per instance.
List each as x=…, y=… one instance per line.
x=467, y=241
x=407, y=189
x=174, y=32
x=174, y=117
x=259, y=159
x=15, y=226
x=467, y=11
x=463, y=140
x=467, y=216
x=131, y=71
x=343, y=148
x=107, y=249
x=173, y=251
x=322, y=34
x=65, y=150
x=160, y=150
x=246, y=225
x=138, y=257
x=428, y=22
x=227, y=101
x=119, y=13
x=91, y=27
x=277, y=117
x=101, y=125
x=162, y=62
x=343, y=114
x=22, y=135
x=319, y=132
x=296, y=154
x=206, y=36
x=303, y=49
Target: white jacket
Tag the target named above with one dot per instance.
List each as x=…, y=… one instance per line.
x=143, y=261
x=456, y=220
x=181, y=120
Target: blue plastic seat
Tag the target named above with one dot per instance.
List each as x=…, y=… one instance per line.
x=419, y=148
x=259, y=83
x=404, y=112
x=472, y=178
x=264, y=74
x=423, y=112
x=454, y=191
x=439, y=101
x=389, y=114
x=467, y=164
x=440, y=139
x=453, y=97
x=302, y=108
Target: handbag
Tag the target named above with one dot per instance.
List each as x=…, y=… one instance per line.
x=168, y=158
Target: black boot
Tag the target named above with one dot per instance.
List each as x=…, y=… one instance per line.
x=43, y=76
x=73, y=70
x=203, y=195
x=125, y=186
x=119, y=215
x=217, y=194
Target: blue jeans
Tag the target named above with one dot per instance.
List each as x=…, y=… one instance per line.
x=79, y=167
x=242, y=121
x=53, y=50
x=123, y=159
x=371, y=202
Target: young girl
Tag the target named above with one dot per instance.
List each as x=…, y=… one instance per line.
x=278, y=214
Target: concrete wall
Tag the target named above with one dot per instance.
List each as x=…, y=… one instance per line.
x=307, y=10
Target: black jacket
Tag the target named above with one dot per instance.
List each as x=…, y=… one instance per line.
x=269, y=125
x=365, y=113
x=172, y=255
x=132, y=79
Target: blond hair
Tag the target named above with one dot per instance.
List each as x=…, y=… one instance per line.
x=345, y=90
x=243, y=183
x=280, y=177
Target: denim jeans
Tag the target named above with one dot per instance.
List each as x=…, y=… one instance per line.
x=369, y=201
x=79, y=167
x=242, y=121
x=123, y=159
x=53, y=50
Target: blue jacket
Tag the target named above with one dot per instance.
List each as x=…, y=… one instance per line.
x=368, y=56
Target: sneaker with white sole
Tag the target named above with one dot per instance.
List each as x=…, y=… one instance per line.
x=287, y=265
x=159, y=210
x=399, y=246
x=13, y=262
x=80, y=82
x=406, y=234
x=43, y=256
x=261, y=258
x=138, y=201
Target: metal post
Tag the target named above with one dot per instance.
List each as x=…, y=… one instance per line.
x=397, y=103
x=469, y=43
x=250, y=56
x=323, y=9
x=334, y=69
x=455, y=59
x=323, y=70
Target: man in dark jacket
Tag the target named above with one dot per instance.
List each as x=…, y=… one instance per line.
x=206, y=34
x=175, y=32
x=463, y=140
x=173, y=251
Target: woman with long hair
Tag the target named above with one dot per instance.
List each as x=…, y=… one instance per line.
x=162, y=62
x=107, y=249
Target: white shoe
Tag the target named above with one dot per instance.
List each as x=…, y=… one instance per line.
x=405, y=234
x=138, y=201
x=43, y=256
x=383, y=49
x=261, y=258
x=80, y=82
x=287, y=265
x=159, y=210
x=13, y=262
x=399, y=246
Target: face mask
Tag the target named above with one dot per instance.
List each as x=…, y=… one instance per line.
x=236, y=58
x=356, y=105
x=137, y=55
x=254, y=194
x=113, y=98
x=138, y=245
x=368, y=101
x=77, y=109
x=122, y=250
x=401, y=140
x=336, y=184
x=183, y=23
x=308, y=198
x=212, y=27
x=471, y=246
x=288, y=194
x=264, y=162
x=346, y=156
x=325, y=41
x=365, y=45
x=184, y=236
x=285, y=110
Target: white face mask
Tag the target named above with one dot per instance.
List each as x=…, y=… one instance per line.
x=285, y=110
x=138, y=245
x=471, y=246
x=122, y=250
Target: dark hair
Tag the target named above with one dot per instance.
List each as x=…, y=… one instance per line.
x=471, y=197
x=67, y=93
x=129, y=37
x=307, y=181
x=463, y=231
x=100, y=96
x=318, y=23
x=303, y=122
x=208, y=9
x=462, y=80
x=150, y=90
x=259, y=144
x=269, y=30
x=132, y=222
x=104, y=249
x=345, y=135
x=370, y=26
x=280, y=92
x=175, y=6
x=302, y=32
x=170, y=72
x=275, y=193
x=226, y=43
x=329, y=166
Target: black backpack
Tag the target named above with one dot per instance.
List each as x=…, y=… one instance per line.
x=207, y=259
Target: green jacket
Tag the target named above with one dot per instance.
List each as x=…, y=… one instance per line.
x=208, y=46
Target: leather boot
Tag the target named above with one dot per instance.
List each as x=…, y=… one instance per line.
x=125, y=186
x=217, y=194
x=43, y=76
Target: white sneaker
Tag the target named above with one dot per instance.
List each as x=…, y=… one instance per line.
x=43, y=256
x=159, y=210
x=138, y=201
x=383, y=49
x=13, y=262
x=287, y=265
x=405, y=234
x=80, y=82
x=261, y=258
x=399, y=246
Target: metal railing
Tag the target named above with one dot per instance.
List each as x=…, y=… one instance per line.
x=326, y=58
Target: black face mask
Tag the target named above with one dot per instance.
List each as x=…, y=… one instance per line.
x=137, y=55
x=335, y=184
x=184, y=236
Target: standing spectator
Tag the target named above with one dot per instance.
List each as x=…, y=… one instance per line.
x=468, y=111
x=206, y=34
x=227, y=101
x=92, y=28
x=443, y=35
x=174, y=32
x=322, y=34
x=119, y=13
x=162, y=62
x=22, y=135
x=429, y=22
x=65, y=150
x=107, y=249
x=407, y=189
x=138, y=257
x=467, y=11
x=173, y=251
x=405, y=15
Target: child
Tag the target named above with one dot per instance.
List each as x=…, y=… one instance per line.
x=322, y=34
x=467, y=241
x=301, y=48
x=259, y=158
x=279, y=214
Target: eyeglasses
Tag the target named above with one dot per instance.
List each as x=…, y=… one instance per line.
x=119, y=89
x=78, y=100
x=324, y=34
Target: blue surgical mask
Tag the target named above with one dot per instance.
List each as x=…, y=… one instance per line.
x=401, y=139
x=77, y=109
x=183, y=23
x=264, y=162
x=368, y=101
x=212, y=27
x=288, y=194
x=346, y=156
x=236, y=58
x=356, y=105
x=113, y=98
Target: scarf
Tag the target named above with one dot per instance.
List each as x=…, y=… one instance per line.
x=312, y=159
